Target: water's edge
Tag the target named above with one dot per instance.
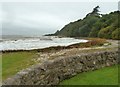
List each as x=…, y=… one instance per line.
x=37, y=43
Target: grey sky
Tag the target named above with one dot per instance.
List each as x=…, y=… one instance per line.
x=39, y=18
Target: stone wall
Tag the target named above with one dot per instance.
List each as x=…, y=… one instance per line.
x=53, y=71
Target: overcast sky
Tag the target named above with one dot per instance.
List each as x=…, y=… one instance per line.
x=39, y=18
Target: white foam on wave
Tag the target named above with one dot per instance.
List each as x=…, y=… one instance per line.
x=37, y=43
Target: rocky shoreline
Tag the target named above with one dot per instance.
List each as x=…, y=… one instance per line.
x=90, y=43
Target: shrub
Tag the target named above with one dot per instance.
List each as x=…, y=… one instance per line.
x=116, y=34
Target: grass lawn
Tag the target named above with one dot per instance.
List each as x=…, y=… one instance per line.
x=104, y=76
x=14, y=62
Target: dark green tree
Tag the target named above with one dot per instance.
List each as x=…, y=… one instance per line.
x=95, y=10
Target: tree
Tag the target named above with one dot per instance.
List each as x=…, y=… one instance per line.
x=106, y=32
x=95, y=10
x=56, y=33
x=116, y=34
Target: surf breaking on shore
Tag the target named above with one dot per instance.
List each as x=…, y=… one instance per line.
x=30, y=43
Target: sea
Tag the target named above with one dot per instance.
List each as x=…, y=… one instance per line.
x=29, y=43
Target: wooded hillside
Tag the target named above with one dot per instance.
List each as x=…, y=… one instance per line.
x=93, y=25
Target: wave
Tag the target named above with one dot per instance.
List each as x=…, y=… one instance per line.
x=37, y=43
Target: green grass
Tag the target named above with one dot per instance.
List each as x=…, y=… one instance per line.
x=104, y=76
x=14, y=62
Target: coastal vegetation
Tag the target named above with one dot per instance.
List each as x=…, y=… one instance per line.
x=93, y=42
x=93, y=25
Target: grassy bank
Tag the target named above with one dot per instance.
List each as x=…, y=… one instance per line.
x=104, y=76
x=15, y=61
